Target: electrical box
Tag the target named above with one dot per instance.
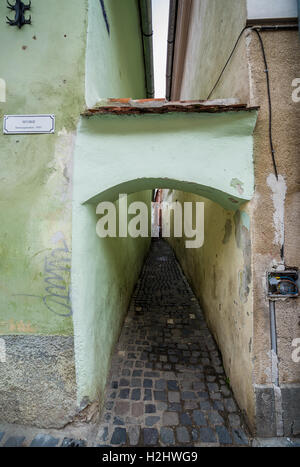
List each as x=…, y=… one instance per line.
x=283, y=284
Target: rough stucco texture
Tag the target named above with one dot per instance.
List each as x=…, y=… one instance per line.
x=220, y=274
x=209, y=16
x=48, y=68
x=40, y=375
x=274, y=207
x=43, y=67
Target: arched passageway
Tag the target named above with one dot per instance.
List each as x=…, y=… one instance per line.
x=207, y=154
x=167, y=385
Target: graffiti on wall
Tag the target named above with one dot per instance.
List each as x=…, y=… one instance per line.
x=56, y=278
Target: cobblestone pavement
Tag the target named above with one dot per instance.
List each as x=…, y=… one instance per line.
x=167, y=385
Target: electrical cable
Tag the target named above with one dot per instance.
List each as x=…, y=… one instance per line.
x=269, y=102
x=268, y=88
x=225, y=66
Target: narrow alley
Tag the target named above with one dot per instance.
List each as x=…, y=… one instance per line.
x=167, y=385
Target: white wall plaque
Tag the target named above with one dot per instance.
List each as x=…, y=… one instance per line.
x=31, y=124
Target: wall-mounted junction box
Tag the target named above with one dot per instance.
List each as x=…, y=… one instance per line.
x=283, y=284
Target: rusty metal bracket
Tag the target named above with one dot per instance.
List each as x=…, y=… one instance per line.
x=19, y=7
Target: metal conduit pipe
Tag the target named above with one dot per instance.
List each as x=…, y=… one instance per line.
x=275, y=377
x=299, y=14
x=145, y=8
x=171, y=46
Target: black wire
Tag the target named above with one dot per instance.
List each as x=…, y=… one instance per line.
x=268, y=87
x=225, y=66
x=269, y=102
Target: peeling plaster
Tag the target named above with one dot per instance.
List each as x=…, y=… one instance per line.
x=238, y=185
x=278, y=188
x=243, y=241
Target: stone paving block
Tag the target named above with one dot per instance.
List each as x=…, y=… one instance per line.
x=162, y=406
x=73, y=443
x=188, y=395
x=207, y=435
x=122, y=407
x=212, y=387
x=152, y=420
x=150, y=408
x=135, y=394
x=170, y=418
x=167, y=436
x=225, y=391
x=103, y=434
x=230, y=405
x=215, y=418
x=136, y=383
x=44, y=441
x=195, y=434
x=174, y=407
x=147, y=395
x=137, y=409
x=183, y=435
x=14, y=442
x=173, y=396
x=150, y=436
x=239, y=437
x=118, y=437
x=134, y=434
x=160, y=396
x=124, y=382
x=1, y=435
x=148, y=383
x=185, y=419
x=223, y=435
x=234, y=420
x=205, y=405
x=189, y=405
x=124, y=394
x=160, y=384
x=118, y=421
x=199, y=418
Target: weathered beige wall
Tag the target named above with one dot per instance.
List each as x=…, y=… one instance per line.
x=283, y=55
x=220, y=274
x=212, y=34
x=274, y=209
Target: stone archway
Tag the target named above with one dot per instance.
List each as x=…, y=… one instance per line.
x=192, y=148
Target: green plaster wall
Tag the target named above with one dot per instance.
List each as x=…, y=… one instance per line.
x=114, y=60
x=43, y=66
x=104, y=273
x=62, y=63
x=204, y=152
x=129, y=154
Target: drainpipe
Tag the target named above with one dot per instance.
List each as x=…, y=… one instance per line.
x=171, y=46
x=145, y=9
x=275, y=378
x=299, y=15
x=275, y=372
